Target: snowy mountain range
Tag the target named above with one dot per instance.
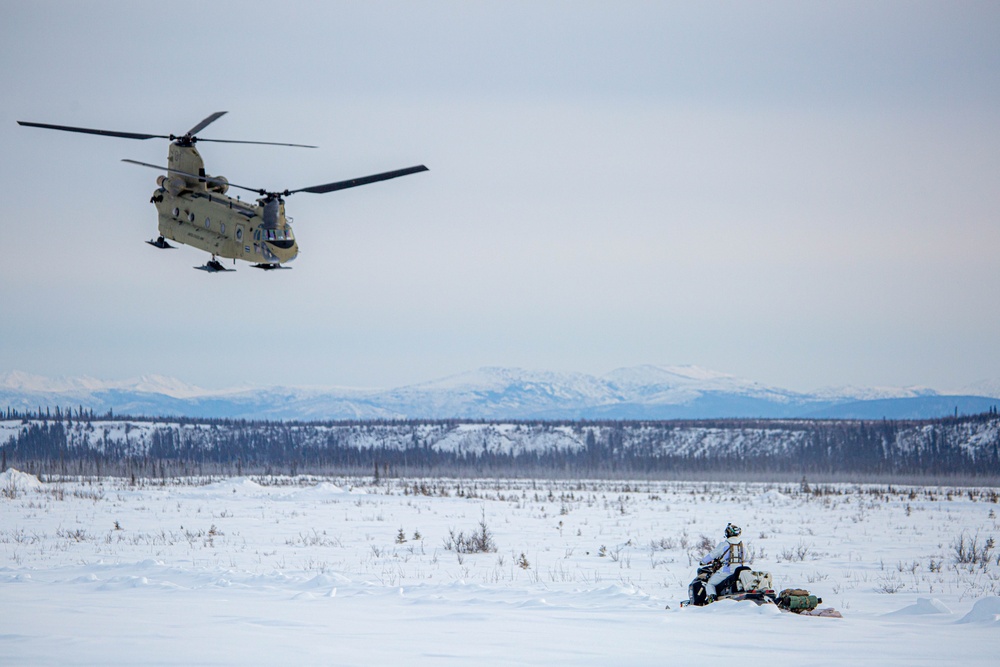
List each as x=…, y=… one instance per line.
x=641, y=392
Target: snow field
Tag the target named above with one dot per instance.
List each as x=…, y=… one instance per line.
x=342, y=571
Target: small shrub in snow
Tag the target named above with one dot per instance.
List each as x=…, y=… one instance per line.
x=889, y=584
x=969, y=552
x=663, y=544
x=796, y=553
x=480, y=541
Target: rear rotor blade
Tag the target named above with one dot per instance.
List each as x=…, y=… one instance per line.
x=316, y=189
x=205, y=123
x=364, y=180
x=84, y=130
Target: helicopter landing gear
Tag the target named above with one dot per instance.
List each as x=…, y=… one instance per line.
x=270, y=267
x=161, y=243
x=213, y=266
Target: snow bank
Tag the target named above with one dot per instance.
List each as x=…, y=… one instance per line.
x=737, y=607
x=236, y=485
x=986, y=610
x=922, y=606
x=19, y=481
x=774, y=497
x=319, y=492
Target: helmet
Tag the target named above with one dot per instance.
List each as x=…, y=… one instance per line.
x=733, y=533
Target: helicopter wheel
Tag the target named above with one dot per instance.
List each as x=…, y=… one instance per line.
x=161, y=243
x=213, y=266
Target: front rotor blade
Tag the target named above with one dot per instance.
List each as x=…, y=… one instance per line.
x=84, y=130
x=207, y=179
x=205, y=123
x=262, y=143
x=364, y=180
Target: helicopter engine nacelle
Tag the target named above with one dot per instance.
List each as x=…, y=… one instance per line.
x=218, y=184
x=172, y=184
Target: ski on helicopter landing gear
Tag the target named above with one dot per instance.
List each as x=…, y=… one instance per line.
x=161, y=243
x=213, y=266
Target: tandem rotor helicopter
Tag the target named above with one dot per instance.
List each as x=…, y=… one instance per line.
x=193, y=207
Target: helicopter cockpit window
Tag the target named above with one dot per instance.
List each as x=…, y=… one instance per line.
x=270, y=235
x=288, y=233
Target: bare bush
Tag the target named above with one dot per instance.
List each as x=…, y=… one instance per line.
x=969, y=552
x=663, y=544
x=889, y=583
x=797, y=553
x=480, y=541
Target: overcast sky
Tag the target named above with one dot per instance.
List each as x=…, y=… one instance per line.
x=801, y=193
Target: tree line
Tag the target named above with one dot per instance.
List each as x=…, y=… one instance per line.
x=79, y=442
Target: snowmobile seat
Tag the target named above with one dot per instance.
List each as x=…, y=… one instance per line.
x=729, y=584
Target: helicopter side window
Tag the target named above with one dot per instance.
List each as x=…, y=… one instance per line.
x=208, y=223
x=222, y=228
x=256, y=235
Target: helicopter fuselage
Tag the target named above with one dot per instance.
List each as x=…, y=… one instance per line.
x=197, y=212
x=194, y=209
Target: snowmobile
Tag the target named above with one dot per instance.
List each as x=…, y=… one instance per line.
x=747, y=584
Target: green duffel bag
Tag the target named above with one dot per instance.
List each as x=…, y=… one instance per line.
x=800, y=602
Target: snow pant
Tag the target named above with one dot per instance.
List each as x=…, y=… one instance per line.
x=720, y=575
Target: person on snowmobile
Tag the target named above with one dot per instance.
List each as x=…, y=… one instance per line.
x=725, y=557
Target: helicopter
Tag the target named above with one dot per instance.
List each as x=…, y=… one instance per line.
x=194, y=209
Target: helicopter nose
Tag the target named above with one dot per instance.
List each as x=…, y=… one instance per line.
x=268, y=253
x=279, y=253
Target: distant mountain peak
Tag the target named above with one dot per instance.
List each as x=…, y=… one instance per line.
x=874, y=393
x=152, y=384
x=647, y=391
x=656, y=374
x=989, y=388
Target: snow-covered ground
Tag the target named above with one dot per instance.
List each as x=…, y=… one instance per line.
x=343, y=572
